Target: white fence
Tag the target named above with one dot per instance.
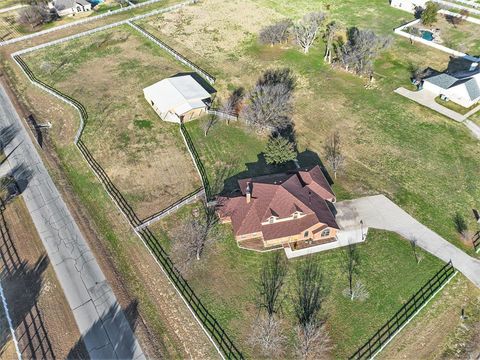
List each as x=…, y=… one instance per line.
x=174, y=53
x=84, y=21
x=171, y=209
x=400, y=31
x=222, y=115
x=9, y=321
x=105, y=27
x=466, y=18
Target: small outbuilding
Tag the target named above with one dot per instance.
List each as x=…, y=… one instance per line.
x=178, y=99
x=70, y=7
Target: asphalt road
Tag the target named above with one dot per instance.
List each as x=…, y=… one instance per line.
x=104, y=328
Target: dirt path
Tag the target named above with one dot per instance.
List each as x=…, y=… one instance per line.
x=44, y=324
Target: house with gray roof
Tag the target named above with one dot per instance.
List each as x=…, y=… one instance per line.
x=70, y=7
x=463, y=88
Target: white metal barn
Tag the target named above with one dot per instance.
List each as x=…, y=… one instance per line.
x=178, y=99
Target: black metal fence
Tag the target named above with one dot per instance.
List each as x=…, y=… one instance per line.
x=220, y=337
x=388, y=330
x=198, y=162
x=476, y=241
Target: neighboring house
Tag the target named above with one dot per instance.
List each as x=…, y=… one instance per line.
x=463, y=88
x=70, y=7
x=178, y=99
x=408, y=5
x=282, y=210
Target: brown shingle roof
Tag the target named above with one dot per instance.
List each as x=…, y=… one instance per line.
x=280, y=195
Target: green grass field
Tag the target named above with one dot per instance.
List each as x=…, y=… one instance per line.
x=226, y=279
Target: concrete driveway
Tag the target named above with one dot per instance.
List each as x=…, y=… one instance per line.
x=381, y=213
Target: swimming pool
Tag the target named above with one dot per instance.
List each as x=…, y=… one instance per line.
x=427, y=35
x=95, y=2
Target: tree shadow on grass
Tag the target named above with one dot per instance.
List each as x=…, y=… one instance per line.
x=306, y=159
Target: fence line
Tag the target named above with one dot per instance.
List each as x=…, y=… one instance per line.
x=196, y=161
x=10, y=324
x=222, y=115
x=476, y=241
x=81, y=22
x=208, y=323
x=104, y=27
x=383, y=336
x=174, y=53
x=170, y=209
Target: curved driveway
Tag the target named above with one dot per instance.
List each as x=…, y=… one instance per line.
x=381, y=213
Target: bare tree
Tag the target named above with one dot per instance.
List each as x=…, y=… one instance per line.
x=329, y=38
x=207, y=125
x=418, y=257
x=359, y=52
x=193, y=236
x=270, y=105
x=232, y=105
x=267, y=333
x=306, y=29
x=350, y=263
x=35, y=15
x=358, y=292
x=333, y=153
x=122, y=2
x=313, y=341
x=276, y=33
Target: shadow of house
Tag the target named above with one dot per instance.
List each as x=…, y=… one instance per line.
x=306, y=159
x=124, y=346
x=459, y=64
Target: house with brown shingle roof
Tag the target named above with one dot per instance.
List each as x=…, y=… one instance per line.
x=293, y=209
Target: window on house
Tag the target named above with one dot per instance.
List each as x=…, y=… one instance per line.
x=271, y=220
x=305, y=234
x=325, y=233
x=152, y=102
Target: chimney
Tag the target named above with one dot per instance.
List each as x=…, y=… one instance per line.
x=248, y=193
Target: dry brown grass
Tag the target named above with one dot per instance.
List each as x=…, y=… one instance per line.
x=149, y=164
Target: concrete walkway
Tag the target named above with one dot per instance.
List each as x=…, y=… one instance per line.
x=105, y=331
x=381, y=213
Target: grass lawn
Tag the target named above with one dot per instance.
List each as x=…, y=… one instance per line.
x=384, y=135
x=230, y=153
x=144, y=156
x=225, y=280
x=455, y=107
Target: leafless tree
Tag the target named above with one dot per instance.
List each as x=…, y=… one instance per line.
x=276, y=33
x=313, y=341
x=329, y=37
x=232, y=105
x=35, y=15
x=192, y=237
x=207, y=125
x=122, y=3
x=306, y=29
x=461, y=225
x=269, y=104
x=358, y=292
x=361, y=49
x=272, y=278
x=333, y=153
x=267, y=333
x=350, y=263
